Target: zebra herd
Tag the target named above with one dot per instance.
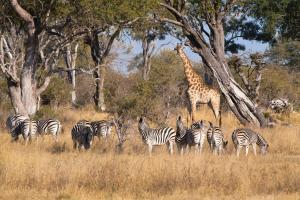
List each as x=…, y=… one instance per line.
x=22, y=125
x=83, y=133
x=185, y=137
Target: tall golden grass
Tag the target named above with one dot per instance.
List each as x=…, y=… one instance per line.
x=48, y=170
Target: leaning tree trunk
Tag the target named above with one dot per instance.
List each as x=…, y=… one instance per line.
x=210, y=47
x=240, y=104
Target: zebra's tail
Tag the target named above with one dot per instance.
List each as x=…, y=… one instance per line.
x=58, y=131
x=220, y=118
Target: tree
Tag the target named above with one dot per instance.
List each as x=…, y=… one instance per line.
x=249, y=73
x=103, y=23
x=202, y=22
x=147, y=32
x=30, y=24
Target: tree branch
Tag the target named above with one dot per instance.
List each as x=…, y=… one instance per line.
x=24, y=15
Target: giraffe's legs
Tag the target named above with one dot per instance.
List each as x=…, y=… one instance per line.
x=193, y=110
x=215, y=104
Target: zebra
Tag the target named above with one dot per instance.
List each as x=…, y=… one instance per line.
x=153, y=137
x=82, y=135
x=102, y=128
x=244, y=137
x=49, y=126
x=183, y=135
x=199, y=132
x=26, y=128
x=14, y=120
x=217, y=141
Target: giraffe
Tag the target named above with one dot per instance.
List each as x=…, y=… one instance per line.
x=198, y=91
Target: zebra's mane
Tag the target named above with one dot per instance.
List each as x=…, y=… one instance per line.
x=261, y=139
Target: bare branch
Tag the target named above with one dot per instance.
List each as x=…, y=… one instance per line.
x=24, y=15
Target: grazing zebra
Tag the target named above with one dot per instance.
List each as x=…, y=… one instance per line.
x=26, y=128
x=153, y=137
x=183, y=135
x=49, y=126
x=82, y=135
x=102, y=128
x=245, y=137
x=217, y=141
x=14, y=120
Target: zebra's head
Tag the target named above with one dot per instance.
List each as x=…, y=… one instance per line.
x=88, y=135
x=203, y=125
x=180, y=129
x=264, y=149
x=142, y=124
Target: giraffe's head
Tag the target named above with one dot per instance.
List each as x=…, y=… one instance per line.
x=178, y=47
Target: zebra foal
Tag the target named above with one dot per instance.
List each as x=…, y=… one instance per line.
x=244, y=137
x=154, y=137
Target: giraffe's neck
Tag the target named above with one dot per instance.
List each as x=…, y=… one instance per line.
x=188, y=69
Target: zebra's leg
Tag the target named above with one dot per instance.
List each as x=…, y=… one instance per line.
x=150, y=149
x=197, y=149
x=254, y=148
x=171, y=147
x=247, y=150
x=74, y=144
x=238, y=148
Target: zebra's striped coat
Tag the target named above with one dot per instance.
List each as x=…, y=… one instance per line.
x=49, y=126
x=244, y=137
x=160, y=136
x=27, y=128
x=14, y=120
x=82, y=136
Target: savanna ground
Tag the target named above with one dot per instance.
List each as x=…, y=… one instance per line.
x=45, y=170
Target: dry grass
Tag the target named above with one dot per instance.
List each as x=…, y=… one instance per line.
x=45, y=170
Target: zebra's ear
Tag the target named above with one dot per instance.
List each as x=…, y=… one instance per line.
x=179, y=118
x=225, y=142
x=210, y=124
x=141, y=120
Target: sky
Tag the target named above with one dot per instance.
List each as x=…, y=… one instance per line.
x=170, y=42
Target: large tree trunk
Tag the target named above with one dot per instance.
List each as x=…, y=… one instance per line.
x=240, y=104
x=99, y=76
x=14, y=91
x=28, y=84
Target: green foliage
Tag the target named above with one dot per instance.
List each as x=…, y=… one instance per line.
x=279, y=82
x=57, y=93
x=286, y=54
x=46, y=112
x=277, y=16
x=135, y=97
